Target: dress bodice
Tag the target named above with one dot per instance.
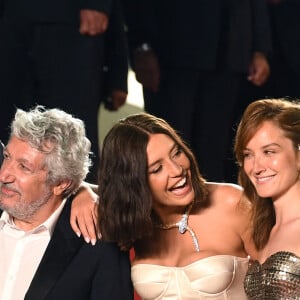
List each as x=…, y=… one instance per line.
x=277, y=278
x=217, y=277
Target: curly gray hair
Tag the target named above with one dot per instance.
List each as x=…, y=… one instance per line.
x=62, y=137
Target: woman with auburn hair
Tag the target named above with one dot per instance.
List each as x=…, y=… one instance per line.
x=267, y=148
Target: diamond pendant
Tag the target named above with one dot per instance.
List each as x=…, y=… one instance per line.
x=182, y=224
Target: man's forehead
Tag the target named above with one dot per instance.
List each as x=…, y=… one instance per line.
x=22, y=151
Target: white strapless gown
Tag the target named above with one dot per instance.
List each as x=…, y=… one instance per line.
x=217, y=277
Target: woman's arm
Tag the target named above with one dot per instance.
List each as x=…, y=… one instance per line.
x=84, y=213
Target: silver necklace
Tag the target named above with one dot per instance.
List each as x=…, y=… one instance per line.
x=183, y=226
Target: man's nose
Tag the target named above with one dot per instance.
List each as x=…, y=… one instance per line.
x=6, y=173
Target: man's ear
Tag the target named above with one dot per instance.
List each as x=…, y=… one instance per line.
x=61, y=187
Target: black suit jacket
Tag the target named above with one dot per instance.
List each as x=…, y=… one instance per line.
x=71, y=269
x=286, y=26
x=116, y=53
x=190, y=33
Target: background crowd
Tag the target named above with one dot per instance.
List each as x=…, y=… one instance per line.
x=200, y=63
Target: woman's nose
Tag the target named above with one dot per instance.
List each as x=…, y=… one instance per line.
x=258, y=165
x=175, y=169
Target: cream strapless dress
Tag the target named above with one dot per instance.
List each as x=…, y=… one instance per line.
x=217, y=277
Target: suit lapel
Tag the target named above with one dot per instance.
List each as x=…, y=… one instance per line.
x=63, y=245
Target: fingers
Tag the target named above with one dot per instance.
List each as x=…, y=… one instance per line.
x=259, y=70
x=150, y=79
x=147, y=70
x=85, y=224
x=259, y=77
x=118, y=98
x=83, y=217
x=92, y=22
x=73, y=222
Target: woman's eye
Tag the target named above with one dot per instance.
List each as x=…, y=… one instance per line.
x=246, y=155
x=178, y=152
x=269, y=152
x=155, y=170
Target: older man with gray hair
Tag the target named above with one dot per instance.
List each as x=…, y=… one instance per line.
x=45, y=161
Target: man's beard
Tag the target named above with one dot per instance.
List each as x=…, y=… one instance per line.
x=24, y=211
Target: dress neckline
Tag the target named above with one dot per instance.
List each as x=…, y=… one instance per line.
x=194, y=262
x=280, y=252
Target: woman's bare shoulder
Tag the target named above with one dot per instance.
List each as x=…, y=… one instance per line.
x=232, y=206
x=228, y=194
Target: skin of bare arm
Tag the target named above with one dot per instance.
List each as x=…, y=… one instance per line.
x=84, y=212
